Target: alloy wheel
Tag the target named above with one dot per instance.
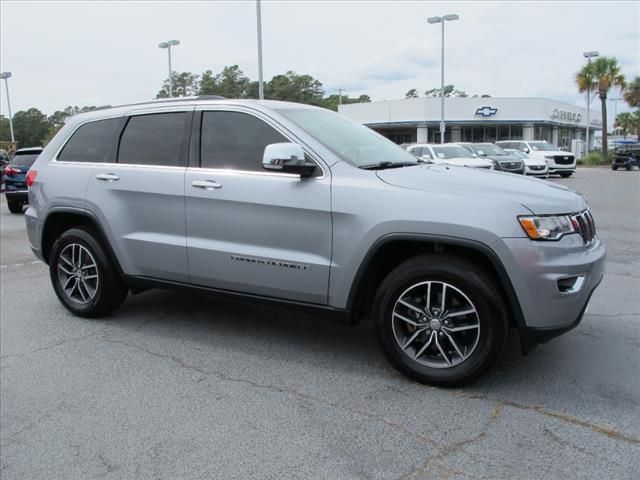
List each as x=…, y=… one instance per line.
x=78, y=273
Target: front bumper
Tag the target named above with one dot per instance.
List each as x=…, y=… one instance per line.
x=536, y=268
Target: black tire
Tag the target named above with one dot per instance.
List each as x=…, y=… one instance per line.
x=614, y=167
x=476, y=285
x=110, y=290
x=629, y=167
x=565, y=174
x=15, y=207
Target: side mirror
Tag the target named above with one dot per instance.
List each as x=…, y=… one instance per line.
x=525, y=150
x=286, y=158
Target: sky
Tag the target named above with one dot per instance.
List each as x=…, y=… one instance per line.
x=106, y=53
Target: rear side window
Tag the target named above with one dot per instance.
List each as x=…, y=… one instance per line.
x=92, y=142
x=153, y=140
x=235, y=140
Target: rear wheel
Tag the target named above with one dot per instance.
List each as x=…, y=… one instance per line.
x=565, y=174
x=440, y=320
x=15, y=207
x=83, y=276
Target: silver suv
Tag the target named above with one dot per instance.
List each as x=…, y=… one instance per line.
x=279, y=202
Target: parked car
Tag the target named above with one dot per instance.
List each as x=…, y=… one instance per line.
x=4, y=161
x=502, y=161
x=15, y=177
x=291, y=204
x=532, y=166
x=562, y=163
x=626, y=156
x=449, y=153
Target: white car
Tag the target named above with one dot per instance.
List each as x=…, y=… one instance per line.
x=562, y=163
x=532, y=166
x=449, y=153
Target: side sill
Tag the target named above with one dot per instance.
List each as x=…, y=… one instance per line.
x=138, y=284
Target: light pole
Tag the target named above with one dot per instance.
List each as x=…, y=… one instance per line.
x=168, y=45
x=588, y=56
x=615, y=111
x=5, y=76
x=444, y=18
x=259, y=27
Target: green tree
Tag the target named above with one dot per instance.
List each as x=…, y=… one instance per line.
x=230, y=83
x=332, y=101
x=5, y=130
x=30, y=127
x=413, y=93
x=627, y=122
x=449, y=91
x=293, y=87
x=185, y=84
x=632, y=93
x=600, y=76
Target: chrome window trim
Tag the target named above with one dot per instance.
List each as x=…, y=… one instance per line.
x=231, y=171
x=273, y=124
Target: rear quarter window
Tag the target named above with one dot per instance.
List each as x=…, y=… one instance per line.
x=92, y=142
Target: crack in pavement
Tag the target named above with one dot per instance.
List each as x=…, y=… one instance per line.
x=59, y=343
x=279, y=389
x=608, y=431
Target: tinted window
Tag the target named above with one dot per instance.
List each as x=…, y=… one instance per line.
x=235, y=140
x=153, y=140
x=92, y=142
x=24, y=159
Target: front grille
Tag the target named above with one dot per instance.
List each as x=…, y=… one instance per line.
x=511, y=165
x=584, y=224
x=563, y=159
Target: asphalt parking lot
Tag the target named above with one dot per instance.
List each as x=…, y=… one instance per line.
x=174, y=386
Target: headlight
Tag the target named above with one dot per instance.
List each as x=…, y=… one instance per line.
x=547, y=228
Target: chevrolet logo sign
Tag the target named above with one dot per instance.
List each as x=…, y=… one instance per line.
x=486, y=111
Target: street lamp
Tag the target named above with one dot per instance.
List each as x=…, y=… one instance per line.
x=615, y=111
x=589, y=56
x=5, y=76
x=445, y=18
x=259, y=28
x=168, y=45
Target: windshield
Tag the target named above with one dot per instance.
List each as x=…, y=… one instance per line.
x=542, y=146
x=452, y=151
x=488, y=149
x=517, y=153
x=24, y=160
x=352, y=142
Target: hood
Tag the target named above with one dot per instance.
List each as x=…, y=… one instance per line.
x=539, y=196
x=464, y=162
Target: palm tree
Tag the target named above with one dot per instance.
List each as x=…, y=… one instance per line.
x=632, y=93
x=626, y=122
x=600, y=76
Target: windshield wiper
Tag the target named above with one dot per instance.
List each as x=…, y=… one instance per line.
x=384, y=165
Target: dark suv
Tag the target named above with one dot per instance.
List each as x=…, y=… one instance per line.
x=15, y=178
x=626, y=156
x=502, y=161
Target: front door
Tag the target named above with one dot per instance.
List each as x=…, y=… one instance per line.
x=249, y=230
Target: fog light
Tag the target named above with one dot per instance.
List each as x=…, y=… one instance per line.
x=573, y=284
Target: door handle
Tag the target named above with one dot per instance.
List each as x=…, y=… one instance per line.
x=206, y=184
x=107, y=177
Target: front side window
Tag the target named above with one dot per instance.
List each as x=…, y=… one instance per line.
x=235, y=140
x=92, y=142
x=153, y=140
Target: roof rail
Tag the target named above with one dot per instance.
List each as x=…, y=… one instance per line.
x=165, y=100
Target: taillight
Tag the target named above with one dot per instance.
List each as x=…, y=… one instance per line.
x=31, y=177
x=10, y=171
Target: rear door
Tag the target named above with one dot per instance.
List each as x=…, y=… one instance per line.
x=249, y=230
x=139, y=199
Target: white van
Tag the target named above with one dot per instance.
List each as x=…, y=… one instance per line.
x=562, y=163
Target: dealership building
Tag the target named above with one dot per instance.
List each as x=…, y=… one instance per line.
x=476, y=119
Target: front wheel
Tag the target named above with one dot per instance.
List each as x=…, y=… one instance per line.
x=83, y=276
x=440, y=320
x=614, y=167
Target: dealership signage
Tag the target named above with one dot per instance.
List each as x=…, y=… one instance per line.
x=486, y=111
x=566, y=115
